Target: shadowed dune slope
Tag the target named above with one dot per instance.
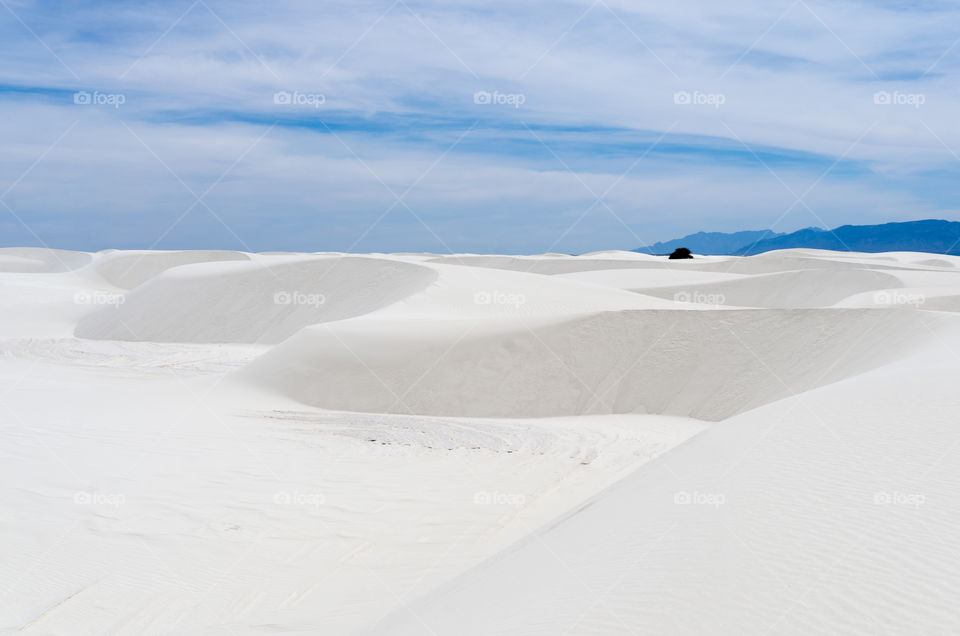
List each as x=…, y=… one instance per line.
x=831, y=513
x=802, y=288
x=126, y=270
x=254, y=302
x=707, y=365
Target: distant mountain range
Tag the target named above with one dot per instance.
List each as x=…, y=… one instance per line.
x=711, y=242
x=940, y=237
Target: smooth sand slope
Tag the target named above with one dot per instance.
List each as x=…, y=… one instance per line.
x=227, y=443
x=264, y=300
x=709, y=365
x=833, y=512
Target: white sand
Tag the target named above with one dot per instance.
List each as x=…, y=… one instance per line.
x=226, y=443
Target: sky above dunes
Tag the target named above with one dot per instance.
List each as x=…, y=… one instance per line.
x=457, y=126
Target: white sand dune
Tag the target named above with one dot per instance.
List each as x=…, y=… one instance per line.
x=555, y=264
x=226, y=443
x=263, y=301
x=799, y=288
x=38, y=260
x=648, y=278
x=829, y=512
x=707, y=365
x=792, y=260
x=128, y=269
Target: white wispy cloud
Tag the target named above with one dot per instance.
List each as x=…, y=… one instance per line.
x=726, y=112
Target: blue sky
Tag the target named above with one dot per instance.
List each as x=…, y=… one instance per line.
x=469, y=126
